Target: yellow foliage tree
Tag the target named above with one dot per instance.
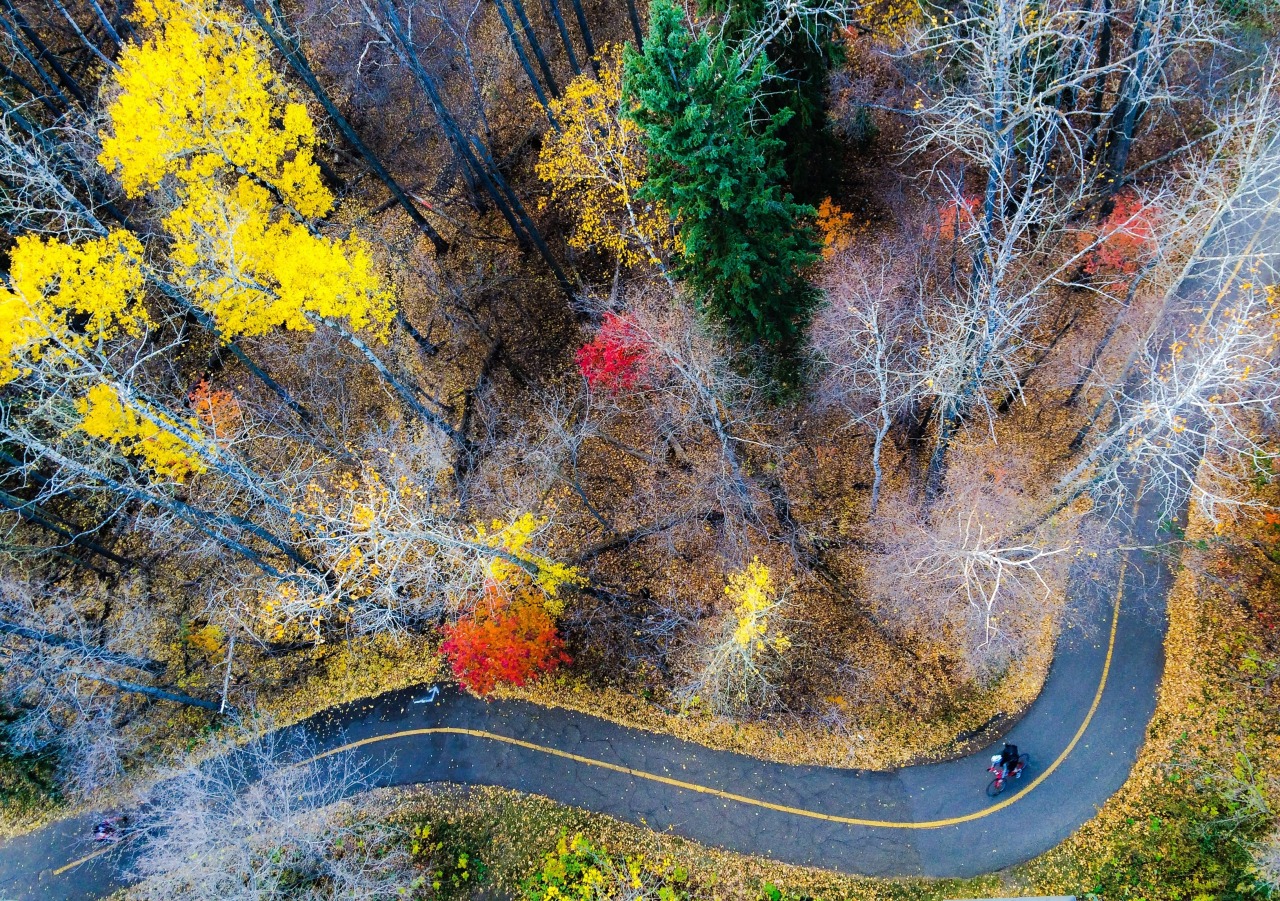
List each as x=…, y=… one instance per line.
x=756, y=599
x=734, y=669
x=63, y=303
x=595, y=164
x=162, y=443
x=96, y=283
x=199, y=97
x=512, y=539
x=199, y=102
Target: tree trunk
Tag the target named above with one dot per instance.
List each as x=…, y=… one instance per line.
x=11, y=76
x=106, y=23
x=145, y=664
x=55, y=92
x=299, y=410
x=564, y=38
x=1102, y=65
x=586, y=36
x=70, y=166
x=157, y=694
x=886, y=421
x=460, y=142
x=634, y=16
x=532, y=38
x=84, y=38
x=524, y=62
x=408, y=55
x=530, y=228
x=1129, y=107
x=1106, y=338
x=405, y=392
x=44, y=53
x=45, y=520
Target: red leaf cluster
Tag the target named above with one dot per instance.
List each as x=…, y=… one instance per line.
x=957, y=218
x=506, y=641
x=1123, y=239
x=616, y=360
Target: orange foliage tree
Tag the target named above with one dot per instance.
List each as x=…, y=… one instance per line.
x=836, y=226
x=957, y=218
x=216, y=408
x=508, y=639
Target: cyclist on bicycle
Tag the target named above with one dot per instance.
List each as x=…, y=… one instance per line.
x=1009, y=759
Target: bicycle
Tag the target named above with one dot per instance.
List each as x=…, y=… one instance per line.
x=1001, y=781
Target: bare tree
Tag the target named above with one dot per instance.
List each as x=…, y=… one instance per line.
x=389, y=549
x=865, y=343
x=807, y=18
x=1199, y=420
x=76, y=690
x=1265, y=863
x=1193, y=406
x=695, y=387
x=264, y=818
x=965, y=574
x=739, y=654
x=1012, y=118
x=1162, y=34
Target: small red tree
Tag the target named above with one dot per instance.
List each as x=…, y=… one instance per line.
x=508, y=639
x=957, y=218
x=217, y=409
x=1123, y=240
x=615, y=361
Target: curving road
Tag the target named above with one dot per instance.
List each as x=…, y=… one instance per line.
x=1083, y=732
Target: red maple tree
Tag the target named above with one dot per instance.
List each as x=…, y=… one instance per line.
x=508, y=639
x=616, y=360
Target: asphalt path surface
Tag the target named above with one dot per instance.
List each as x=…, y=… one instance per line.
x=1083, y=733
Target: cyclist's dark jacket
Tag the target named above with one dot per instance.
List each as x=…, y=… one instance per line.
x=1009, y=756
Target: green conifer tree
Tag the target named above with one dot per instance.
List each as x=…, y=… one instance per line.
x=714, y=161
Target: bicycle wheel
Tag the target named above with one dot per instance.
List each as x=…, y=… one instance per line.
x=996, y=786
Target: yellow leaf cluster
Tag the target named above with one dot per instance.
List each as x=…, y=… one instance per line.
x=756, y=597
x=97, y=284
x=513, y=537
x=255, y=270
x=210, y=639
x=596, y=163
x=199, y=97
x=199, y=108
x=159, y=441
x=892, y=21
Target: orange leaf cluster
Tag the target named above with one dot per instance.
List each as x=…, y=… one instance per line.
x=509, y=639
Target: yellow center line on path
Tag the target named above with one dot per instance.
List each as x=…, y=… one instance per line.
x=730, y=796
x=756, y=802
x=75, y=863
